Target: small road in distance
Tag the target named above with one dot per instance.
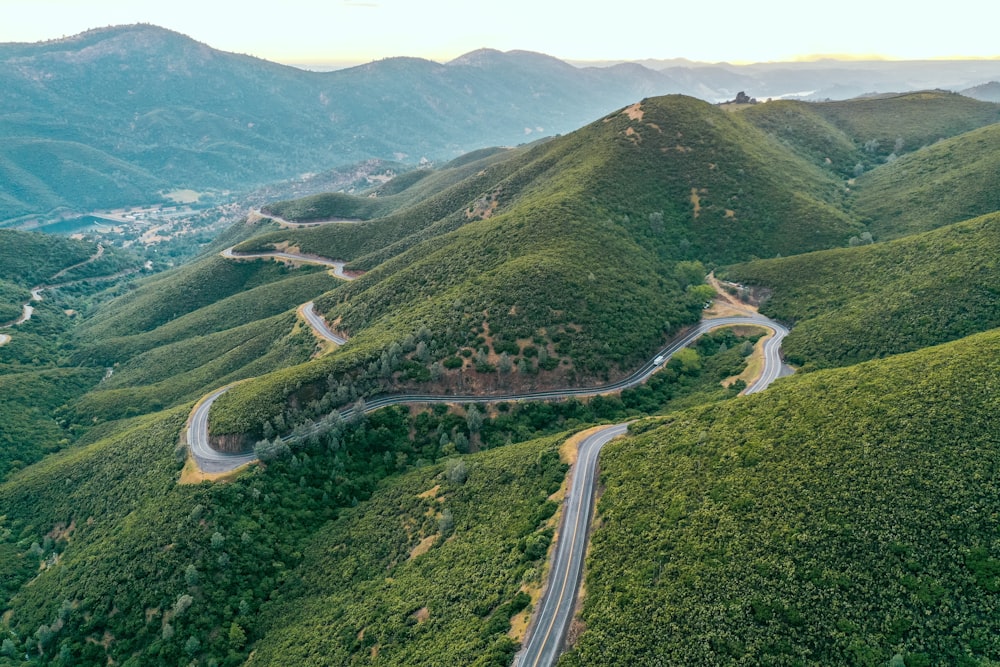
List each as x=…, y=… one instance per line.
x=336, y=266
x=318, y=324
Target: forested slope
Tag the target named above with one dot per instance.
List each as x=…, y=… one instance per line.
x=842, y=517
x=853, y=304
x=949, y=181
x=530, y=253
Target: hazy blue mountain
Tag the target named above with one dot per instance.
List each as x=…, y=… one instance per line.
x=988, y=92
x=115, y=114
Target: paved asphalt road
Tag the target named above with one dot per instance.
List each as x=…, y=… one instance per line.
x=198, y=428
x=319, y=325
x=312, y=223
x=555, y=610
x=207, y=458
x=336, y=265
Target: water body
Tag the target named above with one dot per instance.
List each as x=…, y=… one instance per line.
x=83, y=223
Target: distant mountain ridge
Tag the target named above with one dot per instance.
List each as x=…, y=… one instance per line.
x=115, y=114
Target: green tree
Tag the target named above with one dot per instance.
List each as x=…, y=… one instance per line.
x=474, y=419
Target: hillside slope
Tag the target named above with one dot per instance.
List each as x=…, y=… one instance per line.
x=527, y=255
x=855, y=304
x=115, y=115
x=950, y=181
x=843, y=517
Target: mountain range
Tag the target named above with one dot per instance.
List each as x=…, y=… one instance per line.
x=845, y=515
x=114, y=116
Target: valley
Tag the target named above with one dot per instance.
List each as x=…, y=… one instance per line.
x=525, y=405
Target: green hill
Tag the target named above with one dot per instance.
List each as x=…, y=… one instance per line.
x=854, y=304
x=29, y=258
x=843, y=517
x=887, y=125
x=529, y=251
x=105, y=526
x=949, y=181
x=858, y=135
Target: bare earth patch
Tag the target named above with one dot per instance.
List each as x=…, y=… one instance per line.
x=519, y=623
x=695, y=201
x=421, y=615
x=755, y=364
x=192, y=474
x=423, y=546
x=430, y=493
x=634, y=112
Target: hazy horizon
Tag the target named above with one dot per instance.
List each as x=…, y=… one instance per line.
x=340, y=34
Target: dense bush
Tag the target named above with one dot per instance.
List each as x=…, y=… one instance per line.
x=843, y=517
x=853, y=304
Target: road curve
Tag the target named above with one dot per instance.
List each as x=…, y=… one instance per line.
x=311, y=223
x=198, y=437
x=336, y=266
x=555, y=610
x=318, y=324
x=207, y=458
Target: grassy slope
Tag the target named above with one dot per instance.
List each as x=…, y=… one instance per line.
x=174, y=293
x=220, y=311
x=548, y=262
x=918, y=119
x=839, y=518
x=951, y=180
x=853, y=304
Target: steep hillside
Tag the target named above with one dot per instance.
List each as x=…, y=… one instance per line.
x=952, y=180
x=844, y=517
x=530, y=252
x=29, y=259
x=855, y=304
x=438, y=583
x=161, y=572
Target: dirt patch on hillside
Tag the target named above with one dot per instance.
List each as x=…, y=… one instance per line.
x=192, y=474
x=695, y=202
x=634, y=112
x=423, y=546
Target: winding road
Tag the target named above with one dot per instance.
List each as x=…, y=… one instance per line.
x=27, y=310
x=336, y=266
x=198, y=438
x=554, y=612
x=319, y=325
x=311, y=223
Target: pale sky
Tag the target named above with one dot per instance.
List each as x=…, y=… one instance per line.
x=295, y=31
